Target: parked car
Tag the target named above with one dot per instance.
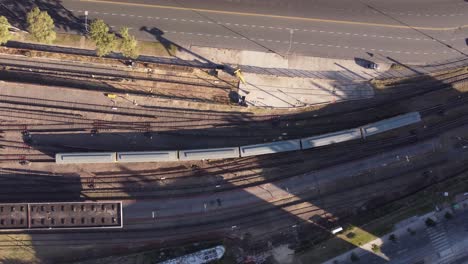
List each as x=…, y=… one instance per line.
x=372, y=65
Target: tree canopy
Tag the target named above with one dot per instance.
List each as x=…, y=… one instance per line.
x=129, y=45
x=41, y=26
x=104, y=40
x=5, y=34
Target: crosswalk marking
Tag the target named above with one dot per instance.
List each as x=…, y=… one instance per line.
x=439, y=241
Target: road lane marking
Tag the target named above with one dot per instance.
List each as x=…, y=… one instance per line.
x=310, y=44
x=275, y=16
x=279, y=28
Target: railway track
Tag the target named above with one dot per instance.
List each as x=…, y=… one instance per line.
x=109, y=185
x=162, y=185
x=63, y=117
x=281, y=219
x=216, y=229
x=84, y=71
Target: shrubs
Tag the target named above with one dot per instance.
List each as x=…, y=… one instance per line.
x=104, y=40
x=430, y=223
x=128, y=45
x=41, y=26
x=448, y=216
x=375, y=248
x=350, y=235
x=5, y=34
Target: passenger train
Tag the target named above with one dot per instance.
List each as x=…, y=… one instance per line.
x=242, y=151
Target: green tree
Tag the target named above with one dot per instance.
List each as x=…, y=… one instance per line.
x=129, y=45
x=375, y=248
x=448, y=216
x=430, y=223
x=5, y=34
x=354, y=257
x=104, y=40
x=41, y=26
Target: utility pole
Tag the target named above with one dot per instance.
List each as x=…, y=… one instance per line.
x=86, y=21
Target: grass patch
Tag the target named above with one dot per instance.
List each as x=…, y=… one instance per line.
x=352, y=237
x=68, y=40
x=397, y=67
x=157, y=48
x=356, y=236
x=78, y=41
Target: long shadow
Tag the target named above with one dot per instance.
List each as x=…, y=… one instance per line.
x=86, y=52
x=64, y=20
x=295, y=197
x=109, y=83
x=350, y=71
x=158, y=35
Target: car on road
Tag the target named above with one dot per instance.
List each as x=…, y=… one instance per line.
x=365, y=63
x=372, y=65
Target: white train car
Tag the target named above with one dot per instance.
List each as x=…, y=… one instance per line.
x=214, y=153
x=270, y=148
x=85, y=157
x=147, y=156
x=331, y=138
x=244, y=151
x=390, y=123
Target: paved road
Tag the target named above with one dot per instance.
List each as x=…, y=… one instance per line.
x=419, y=31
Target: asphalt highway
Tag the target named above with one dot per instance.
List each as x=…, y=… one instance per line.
x=417, y=31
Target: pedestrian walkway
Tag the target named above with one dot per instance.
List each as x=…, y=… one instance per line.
x=286, y=92
x=438, y=236
x=275, y=81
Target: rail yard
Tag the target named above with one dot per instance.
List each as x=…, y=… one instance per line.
x=102, y=156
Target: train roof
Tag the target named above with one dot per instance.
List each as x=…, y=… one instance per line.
x=391, y=123
x=213, y=153
x=269, y=148
x=147, y=156
x=85, y=157
x=331, y=138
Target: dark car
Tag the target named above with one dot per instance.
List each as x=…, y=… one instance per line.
x=372, y=65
